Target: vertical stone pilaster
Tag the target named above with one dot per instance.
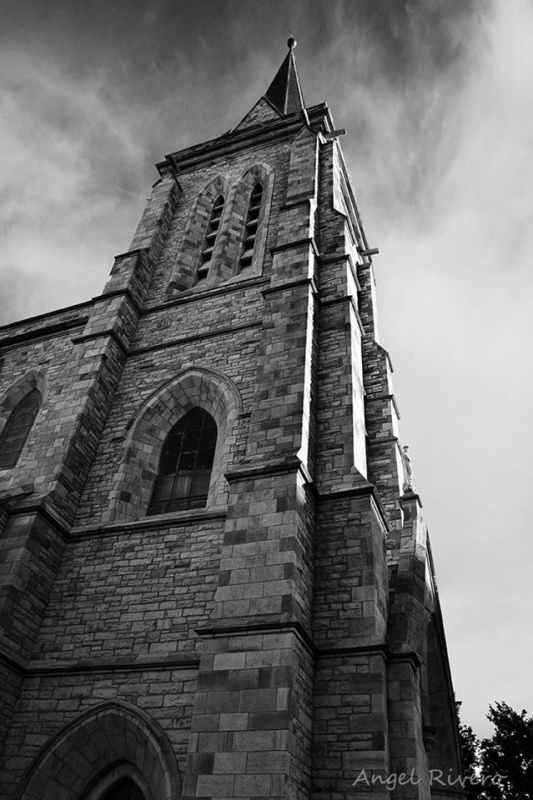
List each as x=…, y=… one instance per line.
x=407, y=751
x=350, y=732
x=30, y=551
x=251, y=722
x=252, y=717
x=384, y=459
x=341, y=435
x=349, y=624
x=133, y=270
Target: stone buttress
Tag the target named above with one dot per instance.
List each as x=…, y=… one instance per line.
x=282, y=638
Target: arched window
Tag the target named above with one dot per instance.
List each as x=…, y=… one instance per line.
x=210, y=239
x=17, y=428
x=250, y=229
x=185, y=464
x=125, y=789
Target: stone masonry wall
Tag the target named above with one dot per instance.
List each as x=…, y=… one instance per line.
x=50, y=700
x=231, y=354
x=128, y=593
x=253, y=634
x=192, y=183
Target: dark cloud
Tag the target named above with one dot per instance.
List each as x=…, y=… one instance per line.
x=435, y=98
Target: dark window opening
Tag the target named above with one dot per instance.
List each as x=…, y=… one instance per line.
x=250, y=228
x=126, y=789
x=210, y=239
x=17, y=429
x=185, y=465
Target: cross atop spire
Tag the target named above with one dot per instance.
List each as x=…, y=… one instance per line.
x=285, y=92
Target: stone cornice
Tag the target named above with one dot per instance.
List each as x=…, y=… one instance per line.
x=153, y=522
x=254, y=136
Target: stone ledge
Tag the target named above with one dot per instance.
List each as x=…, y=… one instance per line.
x=309, y=242
x=42, y=333
x=109, y=333
x=260, y=470
x=14, y=662
x=43, y=509
x=391, y=397
x=409, y=656
x=237, y=140
x=196, y=337
x=347, y=298
x=231, y=285
x=287, y=285
x=186, y=660
x=119, y=293
x=242, y=626
x=367, y=489
x=153, y=522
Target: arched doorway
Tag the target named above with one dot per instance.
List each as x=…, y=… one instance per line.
x=125, y=789
x=113, y=752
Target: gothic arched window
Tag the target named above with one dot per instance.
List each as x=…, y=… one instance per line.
x=210, y=239
x=250, y=228
x=17, y=428
x=185, y=465
x=125, y=789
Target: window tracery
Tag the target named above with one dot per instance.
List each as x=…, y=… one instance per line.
x=185, y=464
x=17, y=429
x=210, y=239
x=251, y=227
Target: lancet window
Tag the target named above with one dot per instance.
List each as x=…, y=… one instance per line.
x=17, y=429
x=210, y=239
x=185, y=465
x=251, y=226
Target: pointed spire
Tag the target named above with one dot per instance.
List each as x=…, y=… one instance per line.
x=285, y=92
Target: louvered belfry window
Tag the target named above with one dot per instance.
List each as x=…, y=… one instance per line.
x=17, y=428
x=210, y=239
x=250, y=229
x=185, y=465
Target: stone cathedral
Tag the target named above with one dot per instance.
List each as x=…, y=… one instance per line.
x=215, y=578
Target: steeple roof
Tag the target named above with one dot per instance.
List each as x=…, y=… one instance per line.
x=282, y=98
x=285, y=92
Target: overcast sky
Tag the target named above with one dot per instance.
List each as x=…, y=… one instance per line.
x=436, y=97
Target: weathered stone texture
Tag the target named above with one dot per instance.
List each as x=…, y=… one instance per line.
x=132, y=592
x=193, y=182
x=48, y=702
x=285, y=636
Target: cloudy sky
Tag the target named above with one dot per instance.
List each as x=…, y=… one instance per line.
x=436, y=98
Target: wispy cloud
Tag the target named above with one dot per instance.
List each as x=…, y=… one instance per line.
x=436, y=98
x=63, y=194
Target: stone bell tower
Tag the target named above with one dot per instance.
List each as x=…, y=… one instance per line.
x=216, y=581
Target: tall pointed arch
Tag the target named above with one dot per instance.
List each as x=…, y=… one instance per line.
x=200, y=245
x=112, y=742
x=244, y=244
x=19, y=406
x=251, y=228
x=149, y=428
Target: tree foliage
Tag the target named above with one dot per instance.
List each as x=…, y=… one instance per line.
x=504, y=762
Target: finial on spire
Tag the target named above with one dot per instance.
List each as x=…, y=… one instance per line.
x=285, y=92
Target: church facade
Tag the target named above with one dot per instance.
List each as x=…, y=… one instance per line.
x=215, y=578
